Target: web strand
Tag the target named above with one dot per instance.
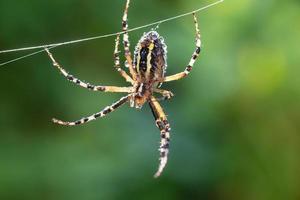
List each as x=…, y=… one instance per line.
x=51, y=46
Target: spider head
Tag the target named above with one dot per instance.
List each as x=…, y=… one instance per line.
x=141, y=95
x=139, y=102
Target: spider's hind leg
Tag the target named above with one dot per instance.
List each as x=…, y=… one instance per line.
x=164, y=127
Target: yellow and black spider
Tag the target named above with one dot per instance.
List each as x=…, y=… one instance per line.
x=147, y=73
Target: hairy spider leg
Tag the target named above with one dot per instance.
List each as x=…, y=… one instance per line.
x=102, y=113
x=127, y=43
x=84, y=84
x=117, y=61
x=164, y=127
x=195, y=55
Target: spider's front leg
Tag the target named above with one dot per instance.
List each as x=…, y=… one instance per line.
x=102, y=113
x=84, y=84
x=164, y=127
x=126, y=42
x=117, y=61
x=195, y=55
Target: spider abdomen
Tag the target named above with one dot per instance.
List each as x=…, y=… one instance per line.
x=150, y=58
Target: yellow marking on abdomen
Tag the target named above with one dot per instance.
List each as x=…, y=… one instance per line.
x=151, y=46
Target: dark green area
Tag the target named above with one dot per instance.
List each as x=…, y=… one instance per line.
x=235, y=119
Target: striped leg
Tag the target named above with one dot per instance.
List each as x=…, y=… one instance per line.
x=102, y=113
x=164, y=127
x=117, y=61
x=87, y=85
x=196, y=53
x=126, y=42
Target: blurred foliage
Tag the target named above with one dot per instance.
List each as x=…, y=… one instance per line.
x=235, y=119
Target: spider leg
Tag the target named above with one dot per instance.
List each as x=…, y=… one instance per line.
x=84, y=84
x=117, y=61
x=164, y=127
x=102, y=113
x=126, y=41
x=196, y=53
x=165, y=94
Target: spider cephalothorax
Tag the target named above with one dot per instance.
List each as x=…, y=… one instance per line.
x=147, y=73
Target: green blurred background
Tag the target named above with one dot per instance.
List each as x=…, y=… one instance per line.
x=235, y=119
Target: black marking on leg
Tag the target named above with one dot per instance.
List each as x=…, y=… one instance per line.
x=100, y=88
x=165, y=146
x=124, y=24
x=108, y=110
x=91, y=87
x=97, y=115
x=70, y=77
x=114, y=106
x=189, y=68
x=198, y=50
x=160, y=125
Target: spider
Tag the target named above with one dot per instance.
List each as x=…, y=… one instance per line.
x=147, y=73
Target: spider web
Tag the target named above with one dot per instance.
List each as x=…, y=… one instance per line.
x=54, y=45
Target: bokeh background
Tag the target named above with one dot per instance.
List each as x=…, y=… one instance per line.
x=235, y=119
